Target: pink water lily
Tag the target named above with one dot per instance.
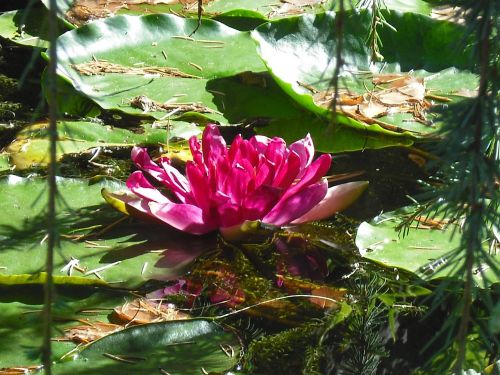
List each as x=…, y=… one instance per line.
x=256, y=179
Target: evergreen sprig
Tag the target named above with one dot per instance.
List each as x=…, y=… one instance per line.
x=468, y=175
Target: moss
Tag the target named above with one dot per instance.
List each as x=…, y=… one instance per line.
x=8, y=87
x=289, y=352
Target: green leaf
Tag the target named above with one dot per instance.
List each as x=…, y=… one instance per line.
x=4, y=163
x=21, y=319
x=160, y=41
x=177, y=347
x=69, y=101
x=40, y=279
x=345, y=135
x=27, y=27
x=299, y=53
x=131, y=253
x=273, y=9
x=423, y=250
x=31, y=144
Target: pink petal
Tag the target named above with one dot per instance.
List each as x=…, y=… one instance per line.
x=176, y=182
x=167, y=175
x=311, y=175
x=276, y=151
x=195, y=147
x=305, y=149
x=213, y=145
x=141, y=187
x=260, y=143
x=142, y=160
x=185, y=217
x=260, y=201
x=198, y=182
x=288, y=171
x=242, y=150
x=297, y=205
x=337, y=199
x=237, y=184
x=230, y=214
x=264, y=172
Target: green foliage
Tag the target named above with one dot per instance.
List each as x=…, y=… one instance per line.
x=179, y=347
x=467, y=177
x=290, y=351
x=383, y=297
x=356, y=346
x=304, y=76
x=125, y=250
x=427, y=255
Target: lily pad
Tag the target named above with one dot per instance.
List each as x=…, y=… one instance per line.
x=179, y=347
x=424, y=250
x=274, y=9
x=21, y=323
x=30, y=148
x=27, y=27
x=345, y=135
x=299, y=54
x=124, y=255
x=80, y=12
x=169, y=72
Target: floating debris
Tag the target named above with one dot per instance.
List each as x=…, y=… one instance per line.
x=147, y=105
x=392, y=93
x=142, y=311
x=100, y=67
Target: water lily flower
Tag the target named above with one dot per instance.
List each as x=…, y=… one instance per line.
x=260, y=179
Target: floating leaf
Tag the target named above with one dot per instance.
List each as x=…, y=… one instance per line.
x=200, y=82
x=21, y=323
x=298, y=53
x=180, y=347
x=122, y=254
x=425, y=250
x=27, y=27
x=29, y=149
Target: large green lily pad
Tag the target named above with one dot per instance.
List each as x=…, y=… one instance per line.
x=299, y=53
x=21, y=323
x=131, y=253
x=274, y=9
x=179, y=347
x=425, y=250
x=30, y=148
x=81, y=12
x=199, y=69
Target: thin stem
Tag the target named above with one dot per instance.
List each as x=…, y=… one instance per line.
x=475, y=202
x=339, y=27
x=52, y=189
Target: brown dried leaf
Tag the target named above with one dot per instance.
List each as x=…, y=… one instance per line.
x=142, y=311
x=327, y=292
x=19, y=370
x=291, y=7
x=84, y=11
x=393, y=93
x=145, y=104
x=90, y=332
x=303, y=3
